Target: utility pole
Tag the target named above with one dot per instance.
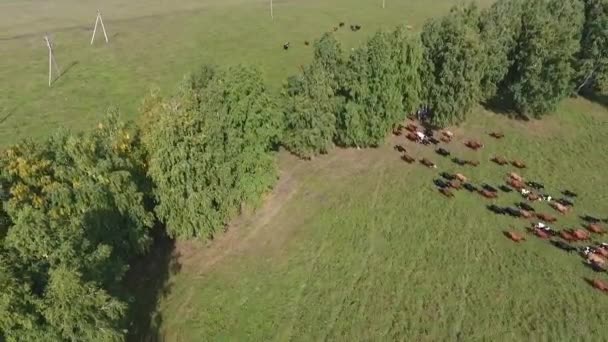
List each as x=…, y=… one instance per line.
x=103, y=28
x=52, y=61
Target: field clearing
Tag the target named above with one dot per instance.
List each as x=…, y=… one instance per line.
x=154, y=43
x=363, y=247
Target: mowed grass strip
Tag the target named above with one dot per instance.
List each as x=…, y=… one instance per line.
x=367, y=249
x=154, y=43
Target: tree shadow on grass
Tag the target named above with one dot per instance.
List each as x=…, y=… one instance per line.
x=601, y=99
x=503, y=106
x=147, y=282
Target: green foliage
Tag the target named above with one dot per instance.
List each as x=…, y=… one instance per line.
x=408, y=56
x=543, y=71
x=328, y=54
x=212, y=150
x=592, y=64
x=499, y=27
x=454, y=64
x=373, y=94
x=76, y=214
x=310, y=123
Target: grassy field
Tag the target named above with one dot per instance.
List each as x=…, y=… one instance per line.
x=358, y=245
x=153, y=43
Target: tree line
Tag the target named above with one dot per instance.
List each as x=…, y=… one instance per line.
x=77, y=207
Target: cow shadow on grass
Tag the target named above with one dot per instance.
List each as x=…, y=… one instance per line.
x=146, y=283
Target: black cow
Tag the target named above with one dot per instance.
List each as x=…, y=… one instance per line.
x=440, y=183
x=564, y=246
x=513, y=211
x=525, y=206
x=341, y=24
x=470, y=187
x=564, y=201
x=590, y=219
x=489, y=188
x=442, y=152
x=505, y=188
x=496, y=209
x=459, y=161
x=447, y=176
x=535, y=185
x=286, y=46
x=399, y=148
x=569, y=193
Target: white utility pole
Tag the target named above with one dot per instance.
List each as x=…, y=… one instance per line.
x=271, y=11
x=52, y=61
x=103, y=28
x=383, y=3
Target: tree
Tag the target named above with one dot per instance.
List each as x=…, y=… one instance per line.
x=76, y=215
x=454, y=63
x=374, y=100
x=408, y=56
x=310, y=123
x=499, y=29
x=212, y=151
x=543, y=72
x=592, y=59
x=328, y=54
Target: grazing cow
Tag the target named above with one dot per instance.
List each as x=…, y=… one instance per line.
x=473, y=163
x=595, y=228
x=447, y=175
x=602, y=251
x=399, y=148
x=357, y=27
x=590, y=219
x=546, y=217
x=455, y=184
x=411, y=127
x=596, y=258
x=428, y=163
x=459, y=161
x=440, y=183
x=541, y=233
x=341, y=24
x=445, y=139
x=473, y=144
x=432, y=140
x=447, y=134
x=535, y=185
x=563, y=246
x=335, y=28
x=567, y=236
x=500, y=160
x=515, y=176
x=397, y=131
x=286, y=46
x=505, y=188
x=513, y=212
x=497, y=135
x=580, y=234
x=525, y=206
x=532, y=197
x=564, y=201
x=562, y=209
x=408, y=159
x=525, y=214
x=446, y=192
x=489, y=188
x=412, y=136
x=599, y=284
x=518, y=164
x=569, y=193
x=488, y=194
x=515, y=184
x=470, y=187
x=496, y=209
x=460, y=177
x=515, y=236
x=306, y=42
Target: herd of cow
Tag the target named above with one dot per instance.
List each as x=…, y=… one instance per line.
x=570, y=240
x=353, y=28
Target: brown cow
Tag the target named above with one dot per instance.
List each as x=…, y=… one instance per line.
x=602, y=251
x=446, y=192
x=408, y=159
x=460, y=177
x=500, y=160
x=525, y=214
x=397, y=130
x=455, y=184
x=445, y=139
x=561, y=208
x=599, y=284
x=597, y=259
x=515, y=236
x=428, y=163
x=487, y=194
x=516, y=184
x=473, y=163
x=515, y=176
x=541, y=233
x=412, y=136
x=546, y=217
x=580, y=234
x=533, y=197
x=567, y=236
x=411, y=127
x=595, y=228
x=473, y=144
x=518, y=164
x=497, y=135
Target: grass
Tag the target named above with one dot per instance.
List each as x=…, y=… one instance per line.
x=358, y=245
x=154, y=43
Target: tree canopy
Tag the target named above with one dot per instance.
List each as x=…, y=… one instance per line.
x=592, y=64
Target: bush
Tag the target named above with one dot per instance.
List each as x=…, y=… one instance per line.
x=592, y=63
